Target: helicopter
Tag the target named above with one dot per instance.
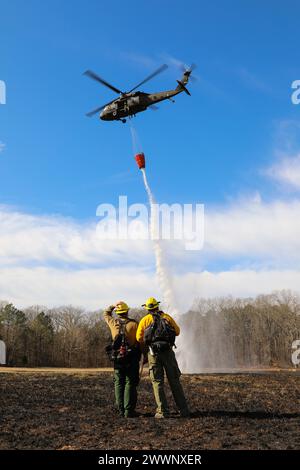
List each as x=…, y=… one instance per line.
x=132, y=102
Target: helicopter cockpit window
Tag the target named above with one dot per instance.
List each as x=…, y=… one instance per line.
x=134, y=100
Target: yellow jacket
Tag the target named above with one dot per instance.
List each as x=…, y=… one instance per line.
x=148, y=320
x=114, y=326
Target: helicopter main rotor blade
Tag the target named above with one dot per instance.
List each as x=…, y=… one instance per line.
x=96, y=77
x=159, y=70
x=95, y=111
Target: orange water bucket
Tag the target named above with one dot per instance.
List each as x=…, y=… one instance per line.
x=140, y=160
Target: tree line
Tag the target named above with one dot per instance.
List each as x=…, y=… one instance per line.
x=216, y=333
x=226, y=333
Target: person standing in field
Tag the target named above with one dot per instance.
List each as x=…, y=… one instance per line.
x=156, y=333
x=124, y=351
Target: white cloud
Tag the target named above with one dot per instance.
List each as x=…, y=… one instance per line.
x=89, y=288
x=45, y=239
x=252, y=81
x=2, y=146
x=54, y=260
x=96, y=288
x=286, y=172
x=255, y=230
x=239, y=283
x=249, y=229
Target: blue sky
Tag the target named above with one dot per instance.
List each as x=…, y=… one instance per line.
x=199, y=149
x=220, y=145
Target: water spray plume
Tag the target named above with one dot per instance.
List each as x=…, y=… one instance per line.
x=163, y=276
x=162, y=273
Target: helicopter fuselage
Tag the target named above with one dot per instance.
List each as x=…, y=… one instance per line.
x=132, y=103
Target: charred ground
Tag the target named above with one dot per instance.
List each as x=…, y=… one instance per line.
x=51, y=410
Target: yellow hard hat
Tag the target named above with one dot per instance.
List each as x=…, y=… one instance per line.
x=151, y=304
x=121, y=308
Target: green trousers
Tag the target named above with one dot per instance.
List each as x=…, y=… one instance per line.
x=126, y=379
x=161, y=363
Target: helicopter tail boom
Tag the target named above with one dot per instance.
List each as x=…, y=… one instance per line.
x=182, y=83
x=182, y=87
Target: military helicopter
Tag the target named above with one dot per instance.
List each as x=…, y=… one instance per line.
x=132, y=102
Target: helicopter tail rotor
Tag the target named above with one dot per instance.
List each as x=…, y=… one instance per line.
x=185, y=79
x=188, y=70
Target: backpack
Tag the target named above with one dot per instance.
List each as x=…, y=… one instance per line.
x=160, y=335
x=120, y=351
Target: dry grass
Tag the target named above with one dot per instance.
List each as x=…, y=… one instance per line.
x=73, y=409
x=52, y=370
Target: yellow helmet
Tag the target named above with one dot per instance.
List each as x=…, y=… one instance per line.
x=151, y=304
x=121, y=308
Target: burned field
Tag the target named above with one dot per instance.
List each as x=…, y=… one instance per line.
x=51, y=410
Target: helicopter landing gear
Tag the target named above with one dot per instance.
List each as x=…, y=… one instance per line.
x=123, y=120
